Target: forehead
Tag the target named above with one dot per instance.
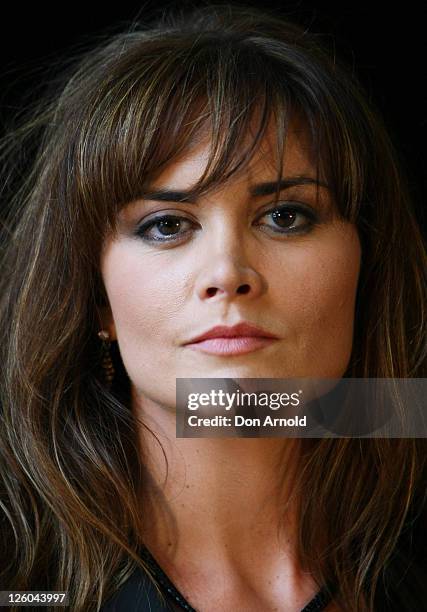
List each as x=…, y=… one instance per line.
x=187, y=168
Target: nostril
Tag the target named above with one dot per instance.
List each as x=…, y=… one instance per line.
x=243, y=289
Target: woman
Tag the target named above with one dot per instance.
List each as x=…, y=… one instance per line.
x=215, y=168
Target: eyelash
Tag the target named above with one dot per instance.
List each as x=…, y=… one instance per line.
x=298, y=208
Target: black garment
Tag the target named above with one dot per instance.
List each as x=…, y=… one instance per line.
x=139, y=594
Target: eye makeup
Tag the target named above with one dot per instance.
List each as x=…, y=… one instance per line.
x=286, y=219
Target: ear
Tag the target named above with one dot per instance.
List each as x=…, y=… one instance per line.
x=106, y=321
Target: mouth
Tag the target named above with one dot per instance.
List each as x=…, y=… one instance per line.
x=231, y=346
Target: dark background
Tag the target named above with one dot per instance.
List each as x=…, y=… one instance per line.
x=386, y=47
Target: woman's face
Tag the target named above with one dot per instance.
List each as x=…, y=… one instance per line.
x=297, y=269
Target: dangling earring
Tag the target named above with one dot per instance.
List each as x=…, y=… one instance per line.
x=106, y=361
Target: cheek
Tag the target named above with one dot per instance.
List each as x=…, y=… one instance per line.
x=144, y=294
x=317, y=291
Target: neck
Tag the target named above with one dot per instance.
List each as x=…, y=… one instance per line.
x=221, y=505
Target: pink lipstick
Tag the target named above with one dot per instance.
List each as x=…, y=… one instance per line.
x=236, y=340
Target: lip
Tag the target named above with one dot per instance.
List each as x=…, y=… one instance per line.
x=236, y=340
x=231, y=346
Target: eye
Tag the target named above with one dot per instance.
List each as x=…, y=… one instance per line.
x=290, y=218
x=163, y=229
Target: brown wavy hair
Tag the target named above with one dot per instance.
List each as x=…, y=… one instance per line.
x=121, y=109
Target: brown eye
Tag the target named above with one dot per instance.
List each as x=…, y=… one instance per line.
x=290, y=219
x=158, y=230
x=169, y=226
x=284, y=218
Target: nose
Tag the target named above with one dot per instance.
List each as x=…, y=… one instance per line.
x=228, y=277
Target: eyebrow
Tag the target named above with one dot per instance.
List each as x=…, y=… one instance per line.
x=260, y=189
